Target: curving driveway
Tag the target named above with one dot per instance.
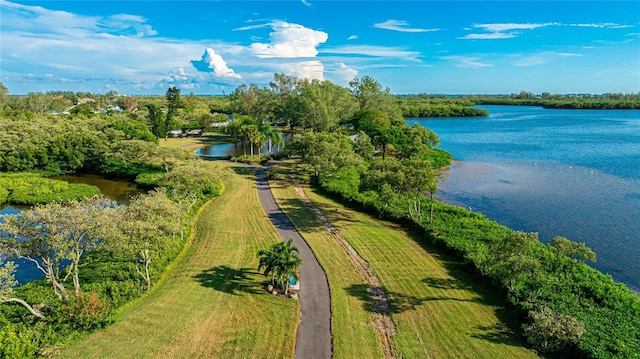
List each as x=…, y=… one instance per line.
x=313, y=338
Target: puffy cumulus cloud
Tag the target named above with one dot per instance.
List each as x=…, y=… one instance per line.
x=341, y=74
x=289, y=40
x=213, y=62
x=311, y=70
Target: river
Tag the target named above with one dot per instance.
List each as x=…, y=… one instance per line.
x=571, y=173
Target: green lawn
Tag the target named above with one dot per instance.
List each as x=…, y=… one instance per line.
x=438, y=310
x=211, y=303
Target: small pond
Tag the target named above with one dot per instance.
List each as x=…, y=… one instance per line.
x=119, y=190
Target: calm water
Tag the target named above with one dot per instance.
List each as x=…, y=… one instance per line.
x=225, y=150
x=115, y=189
x=573, y=173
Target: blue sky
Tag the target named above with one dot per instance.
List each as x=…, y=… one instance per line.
x=211, y=47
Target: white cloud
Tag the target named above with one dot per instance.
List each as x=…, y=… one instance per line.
x=605, y=25
x=375, y=51
x=501, y=27
x=36, y=18
x=497, y=31
x=342, y=74
x=352, y=37
x=400, y=25
x=306, y=3
x=466, y=61
x=542, y=58
x=213, y=62
x=312, y=70
x=289, y=40
x=489, y=36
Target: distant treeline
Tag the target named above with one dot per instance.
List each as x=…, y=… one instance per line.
x=438, y=106
x=607, y=101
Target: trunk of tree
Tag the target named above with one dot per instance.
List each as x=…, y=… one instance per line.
x=244, y=149
x=269, y=139
x=251, y=144
x=33, y=312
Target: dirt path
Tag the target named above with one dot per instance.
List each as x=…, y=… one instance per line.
x=382, y=322
x=313, y=338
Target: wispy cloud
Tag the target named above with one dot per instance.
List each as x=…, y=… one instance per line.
x=605, y=25
x=471, y=62
x=352, y=37
x=374, y=51
x=400, y=25
x=496, y=31
x=542, y=58
x=307, y=3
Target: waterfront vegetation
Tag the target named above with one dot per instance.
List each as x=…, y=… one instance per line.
x=608, y=101
x=193, y=275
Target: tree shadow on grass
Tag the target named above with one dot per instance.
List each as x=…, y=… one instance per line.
x=229, y=280
x=398, y=302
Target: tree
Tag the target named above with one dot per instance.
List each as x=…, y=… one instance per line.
x=551, y=331
x=272, y=136
x=4, y=95
x=255, y=138
x=325, y=105
x=173, y=104
x=325, y=152
x=281, y=262
x=58, y=235
x=566, y=248
x=286, y=106
x=150, y=225
x=7, y=283
x=154, y=116
x=371, y=96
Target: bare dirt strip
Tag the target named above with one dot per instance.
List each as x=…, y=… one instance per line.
x=382, y=321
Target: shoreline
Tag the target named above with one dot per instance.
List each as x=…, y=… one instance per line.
x=553, y=200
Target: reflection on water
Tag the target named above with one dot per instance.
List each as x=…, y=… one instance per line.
x=555, y=199
x=571, y=173
x=119, y=190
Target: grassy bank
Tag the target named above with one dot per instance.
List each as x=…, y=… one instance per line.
x=438, y=310
x=211, y=302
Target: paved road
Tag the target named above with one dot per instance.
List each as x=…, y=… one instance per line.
x=313, y=339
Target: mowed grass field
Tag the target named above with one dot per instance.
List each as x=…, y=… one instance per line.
x=211, y=303
x=439, y=312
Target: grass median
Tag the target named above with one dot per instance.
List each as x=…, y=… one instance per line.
x=211, y=303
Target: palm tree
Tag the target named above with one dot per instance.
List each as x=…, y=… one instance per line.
x=281, y=261
x=273, y=136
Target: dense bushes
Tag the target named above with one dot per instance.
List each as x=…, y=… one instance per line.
x=31, y=188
